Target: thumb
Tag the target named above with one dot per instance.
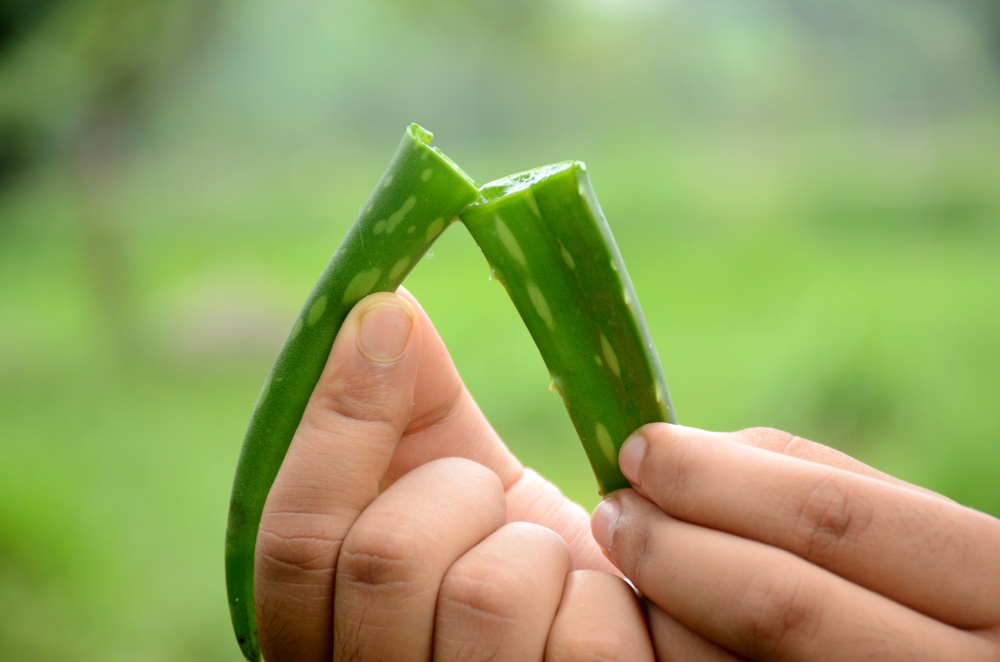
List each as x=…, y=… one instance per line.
x=331, y=473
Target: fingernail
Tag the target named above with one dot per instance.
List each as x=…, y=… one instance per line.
x=630, y=457
x=385, y=330
x=602, y=522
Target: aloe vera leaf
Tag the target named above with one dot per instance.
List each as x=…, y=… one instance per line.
x=546, y=239
x=419, y=194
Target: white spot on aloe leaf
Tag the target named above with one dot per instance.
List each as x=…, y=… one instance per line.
x=295, y=328
x=388, y=181
x=435, y=228
x=509, y=242
x=541, y=305
x=379, y=227
x=610, y=356
x=567, y=258
x=423, y=157
x=398, y=268
x=607, y=446
x=398, y=215
x=316, y=310
x=597, y=359
x=426, y=174
x=411, y=229
x=361, y=285
x=614, y=265
x=529, y=199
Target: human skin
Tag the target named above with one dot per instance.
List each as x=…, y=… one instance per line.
x=759, y=545
x=400, y=527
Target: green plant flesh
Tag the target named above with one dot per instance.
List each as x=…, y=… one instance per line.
x=546, y=239
x=419, y=194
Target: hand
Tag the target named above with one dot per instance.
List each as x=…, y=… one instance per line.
x=763, y=546
x=401, y=528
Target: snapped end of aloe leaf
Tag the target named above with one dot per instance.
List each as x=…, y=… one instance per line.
x=422, y=136
x=420, y=133
x=525, y=180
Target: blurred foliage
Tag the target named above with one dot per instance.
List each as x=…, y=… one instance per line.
x=807, y=195
x=20, y=17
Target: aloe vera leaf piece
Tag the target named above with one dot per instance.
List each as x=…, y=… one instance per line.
x=546, y=239
x=420, y=192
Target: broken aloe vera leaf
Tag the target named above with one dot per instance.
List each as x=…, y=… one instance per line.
x=420, y=192
x=546, y=239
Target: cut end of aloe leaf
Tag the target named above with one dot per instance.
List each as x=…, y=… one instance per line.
x=423, y=136
x=420, y=133
x=524, y=180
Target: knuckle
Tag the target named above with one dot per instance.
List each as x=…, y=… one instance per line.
x=293, y=567
x=473, y=596
x=378, y=558
x=332, y=408
x=786, y=443
x=367, y=395
x=320, y=424
x=771, y=439
x=284, y=555
x=777, y=612
x=440, y=415
x=828, y=518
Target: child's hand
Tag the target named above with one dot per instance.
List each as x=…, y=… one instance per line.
x=773, y=547
x=379, y=542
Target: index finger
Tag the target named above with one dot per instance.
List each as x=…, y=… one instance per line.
x=927, y=553
x=331, y=473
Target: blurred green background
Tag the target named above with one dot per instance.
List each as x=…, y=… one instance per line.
x=807, y=194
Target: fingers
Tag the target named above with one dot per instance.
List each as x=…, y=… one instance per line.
x=376, y=414
x=534, y=499
x=906, y=545
x=396, y=554
x=498, y=601
x=762, y=602
x=675, y=642
x=445, y=421
x=599, y=619
x=331, y=472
